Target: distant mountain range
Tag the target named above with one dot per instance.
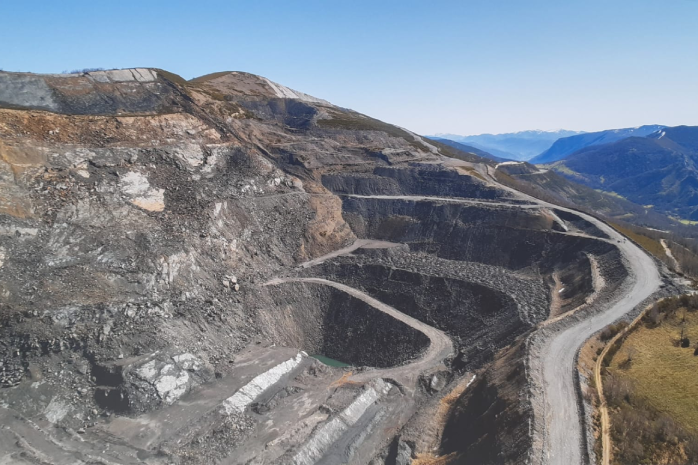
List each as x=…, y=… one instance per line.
x=660, y=170
x=468, y=148
x=568, y=145
x=518, y=146
x=653, y=166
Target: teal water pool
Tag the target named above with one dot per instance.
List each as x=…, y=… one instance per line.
x=330, y=361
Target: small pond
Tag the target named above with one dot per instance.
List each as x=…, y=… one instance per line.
x=330, y=361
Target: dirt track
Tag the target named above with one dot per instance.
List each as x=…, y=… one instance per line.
x=418, y=198
x=357, y=244
x=667, y=250
x=439, y=348
x=556, y=402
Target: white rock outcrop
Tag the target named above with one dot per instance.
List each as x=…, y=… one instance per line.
x=238, y=402
x=137, y=189
x=285, y=92
x=330, y=432
x=171, y=377
x=124, y=75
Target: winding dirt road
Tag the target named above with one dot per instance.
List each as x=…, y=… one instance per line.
x=556, y=401
x=440, y=346
x=559, y=406
x=417, y=198
x=358, y=244
x=667, y=250
x=563, y=438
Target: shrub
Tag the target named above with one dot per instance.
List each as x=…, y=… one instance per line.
x=617, y=390
x=82, y=71
x=653, y=317
x=685, y=300
x=610, y=331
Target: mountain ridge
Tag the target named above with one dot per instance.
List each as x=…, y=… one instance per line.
x=566, y=146
x=468, y=149
x=519, y=146
x=658, y=170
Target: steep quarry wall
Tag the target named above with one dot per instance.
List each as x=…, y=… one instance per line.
x=580, y=224
x=573, y=283
x=488, y=424
x=478, y=318
x=510, y=237
x=428, y=180
x=325, y=321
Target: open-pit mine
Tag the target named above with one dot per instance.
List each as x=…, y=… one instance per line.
x=178, y=258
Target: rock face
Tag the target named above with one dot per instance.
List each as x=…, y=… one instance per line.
x=94, y=93
x=170, y=378
x=141, y=216
x=322, y=320
x=145, y=383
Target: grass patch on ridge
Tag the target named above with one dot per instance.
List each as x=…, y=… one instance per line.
x=662, y=372
x=353, y=121
x=652, y=246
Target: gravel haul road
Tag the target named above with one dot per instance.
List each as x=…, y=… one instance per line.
x=559, y=407
x=563, y=438
x=440, y=346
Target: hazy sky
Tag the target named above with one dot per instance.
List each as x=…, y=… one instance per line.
x=463, y=67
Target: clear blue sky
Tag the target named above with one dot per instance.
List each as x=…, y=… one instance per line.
x=463, y=67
